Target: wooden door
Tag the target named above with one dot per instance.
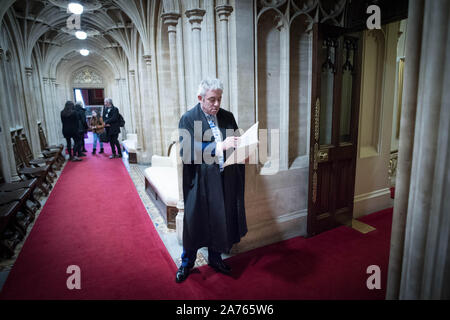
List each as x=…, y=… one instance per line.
x=336, y=66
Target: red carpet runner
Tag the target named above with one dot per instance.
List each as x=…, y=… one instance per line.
x=95, y=219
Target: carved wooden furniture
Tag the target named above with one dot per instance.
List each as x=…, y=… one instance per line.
x=30, y=184
x=56, y=150
x=27, y=173
x=9, y=237
x=49, y=163
x=27, y=215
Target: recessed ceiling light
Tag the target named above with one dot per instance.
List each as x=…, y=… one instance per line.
x=75, y=8
x=84, y=52
x=81, y=35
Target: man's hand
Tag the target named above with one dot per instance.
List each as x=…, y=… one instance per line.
x=230, y=142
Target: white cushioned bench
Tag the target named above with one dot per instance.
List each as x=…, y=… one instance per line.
x=130, y=146
x=161, y=184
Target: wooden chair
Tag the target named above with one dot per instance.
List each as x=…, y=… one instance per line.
x=49, y=157
x=8, y=238
x=55, y=149
x=18, y=185
x=27, y=216
x=21, y=215
x=28, y=159
x=27, y=173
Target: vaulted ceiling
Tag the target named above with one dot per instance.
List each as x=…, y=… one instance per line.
x=40, y=28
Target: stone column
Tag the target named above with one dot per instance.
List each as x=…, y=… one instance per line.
x=119, y=94
x=58, y=104
x=171, y=20
x=132, y=88
x=7, y=157
x=195, y=17
x=154, y=119
x=50, y=111
x=33, y=137
x=419, y=262
x=126, y=103
x=224, y=12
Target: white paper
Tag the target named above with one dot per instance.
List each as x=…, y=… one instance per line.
x=247, y=145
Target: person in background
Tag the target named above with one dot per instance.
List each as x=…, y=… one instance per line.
x=82, y=128
x=97, y=126
x=69, y=119
x=111, y=118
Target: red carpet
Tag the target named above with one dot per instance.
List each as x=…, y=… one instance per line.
x=95, y=219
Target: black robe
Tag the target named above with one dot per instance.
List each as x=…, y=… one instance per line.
x=214, y=211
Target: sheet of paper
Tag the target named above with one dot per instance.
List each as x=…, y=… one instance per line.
x=247, y=146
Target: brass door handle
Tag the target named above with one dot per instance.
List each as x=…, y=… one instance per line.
x=323, y=156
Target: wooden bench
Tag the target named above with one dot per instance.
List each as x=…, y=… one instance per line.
x=161, y=185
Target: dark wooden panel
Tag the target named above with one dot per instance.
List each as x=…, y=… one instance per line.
x=323, y=182
x=391, y=11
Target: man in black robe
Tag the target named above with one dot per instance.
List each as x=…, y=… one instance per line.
x=214, y=212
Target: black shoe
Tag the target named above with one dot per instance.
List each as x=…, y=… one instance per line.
x=119, y=156
x=82, y=155
x=112, y=156
x=220, y=266
x=182, y=274
x=84, y=150
x=93, y=151
x=101, y=151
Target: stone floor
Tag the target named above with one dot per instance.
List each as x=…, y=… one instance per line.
x=168, y=236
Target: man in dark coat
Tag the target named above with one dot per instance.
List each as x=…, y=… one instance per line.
x=82, y=129
x=214, y=212
x=69, y=119
x=112, y=126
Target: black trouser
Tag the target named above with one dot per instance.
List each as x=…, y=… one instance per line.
x=69, y=146
x=78, y=144
x=114, y=142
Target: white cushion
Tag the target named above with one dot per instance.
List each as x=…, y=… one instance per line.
x=158, y=161
x=164, y=181
x=130, y=143
x=130, y=146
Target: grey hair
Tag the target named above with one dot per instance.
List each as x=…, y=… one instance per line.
x=209, y=84
x=109, y=100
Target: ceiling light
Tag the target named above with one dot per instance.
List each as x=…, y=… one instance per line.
x=84, y=52
x=75, y=8
x=81, y=35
